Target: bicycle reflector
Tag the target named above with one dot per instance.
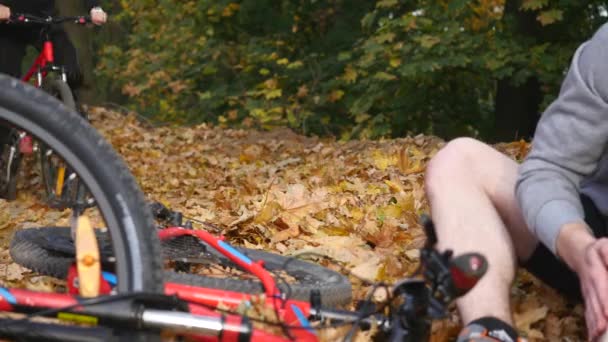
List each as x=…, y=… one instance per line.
x=466, y=270
x=87, y=258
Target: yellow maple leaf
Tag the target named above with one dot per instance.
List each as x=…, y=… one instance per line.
x=395, y=62
x=394, y=186
x=336, y=95
x=350, y=75
x=382, y=161
x=273, y=94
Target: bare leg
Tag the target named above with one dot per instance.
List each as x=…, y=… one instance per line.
x=471, y=189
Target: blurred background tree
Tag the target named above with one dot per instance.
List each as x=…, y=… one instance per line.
x=351, y=69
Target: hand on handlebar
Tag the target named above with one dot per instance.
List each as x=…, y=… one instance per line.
x=98, y=16
x=5, y=13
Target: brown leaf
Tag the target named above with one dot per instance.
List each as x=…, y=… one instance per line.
x=553, y=327
x=524, y=320
x=15, y=272
x=404, y=160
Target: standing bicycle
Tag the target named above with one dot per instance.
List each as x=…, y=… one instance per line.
x=56, y=70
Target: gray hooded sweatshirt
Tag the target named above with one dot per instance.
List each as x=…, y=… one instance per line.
x=569, y=153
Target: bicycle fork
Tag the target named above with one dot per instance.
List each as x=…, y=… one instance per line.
x=24, y=145
x=9, y=164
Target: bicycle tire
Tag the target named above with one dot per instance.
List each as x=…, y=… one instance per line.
x=104, y=173
x=60, y=90
x=49, y=251
x=334, y=288
x=73, y=192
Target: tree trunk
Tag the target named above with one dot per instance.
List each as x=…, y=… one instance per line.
x=517, y=106
x=516, y=110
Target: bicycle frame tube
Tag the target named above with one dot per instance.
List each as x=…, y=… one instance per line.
x=217, y=298
x=45, y=57
x=255, y=268
x=201, y=324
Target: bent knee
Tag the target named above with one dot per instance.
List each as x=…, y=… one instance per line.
x=455, y=162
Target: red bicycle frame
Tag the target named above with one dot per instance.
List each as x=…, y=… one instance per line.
x=201, y=301
x=44, y=59
x=223, y=327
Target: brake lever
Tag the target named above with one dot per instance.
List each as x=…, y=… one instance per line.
x=467, y=270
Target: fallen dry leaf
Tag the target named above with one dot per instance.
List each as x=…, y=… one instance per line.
x=525, y=319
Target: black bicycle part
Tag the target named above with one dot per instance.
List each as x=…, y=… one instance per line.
x=50, y=251
x=24, y=18
x=36, y=331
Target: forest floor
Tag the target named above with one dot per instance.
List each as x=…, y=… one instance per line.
x=357, y=202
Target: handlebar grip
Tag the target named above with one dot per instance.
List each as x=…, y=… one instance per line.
x=85, y=19
x=467, y=270
x=16, y=17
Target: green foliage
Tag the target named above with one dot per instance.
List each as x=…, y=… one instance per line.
x=348, y=68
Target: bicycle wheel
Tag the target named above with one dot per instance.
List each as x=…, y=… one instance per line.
x=62, y=187
x=50, y=251
x=117, y=196
x=297, y=278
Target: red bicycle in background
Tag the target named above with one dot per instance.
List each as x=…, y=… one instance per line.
x=62, y=187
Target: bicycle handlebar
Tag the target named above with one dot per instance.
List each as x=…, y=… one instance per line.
x=23, y=18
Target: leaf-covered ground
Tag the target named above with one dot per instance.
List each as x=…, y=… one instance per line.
x=356, y=202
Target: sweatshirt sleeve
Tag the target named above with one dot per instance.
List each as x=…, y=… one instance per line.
x=91, y=3
x=570, y=139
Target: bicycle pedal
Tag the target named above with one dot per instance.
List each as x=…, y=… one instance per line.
x=26, y=145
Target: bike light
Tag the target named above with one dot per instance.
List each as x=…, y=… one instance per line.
x=466, y=270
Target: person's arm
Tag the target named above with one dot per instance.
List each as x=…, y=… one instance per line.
x=569, y=141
